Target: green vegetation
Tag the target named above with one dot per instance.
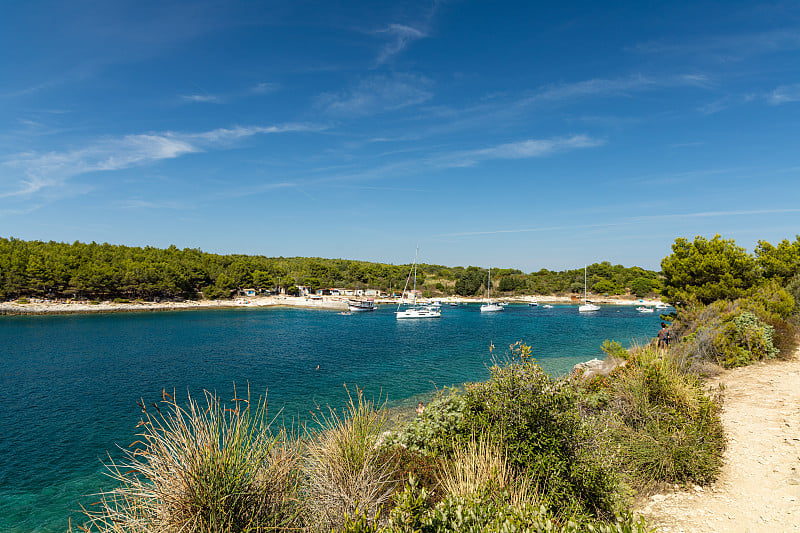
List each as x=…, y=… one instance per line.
x=521, y=452
x=103, y=271
x=733, y=308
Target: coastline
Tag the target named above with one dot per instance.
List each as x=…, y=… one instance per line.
x=332, y=303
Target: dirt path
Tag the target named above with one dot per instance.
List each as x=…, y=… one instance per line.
x=759, y=489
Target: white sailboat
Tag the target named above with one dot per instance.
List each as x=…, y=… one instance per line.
x=587, y=306
x=490, y=307
x=416, y=311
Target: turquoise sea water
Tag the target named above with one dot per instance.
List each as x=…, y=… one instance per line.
x=69, y=385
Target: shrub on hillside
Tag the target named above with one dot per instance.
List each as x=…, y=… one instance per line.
x=665, y=425
x=432, y=432
x=536, y=420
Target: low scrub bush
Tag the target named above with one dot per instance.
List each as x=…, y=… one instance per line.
x=740, y=332
x=538, y=423
x=432, y=432
x=666, y=426
x=743, y=340
x=406, y=463
x=485, y=512
x=203, y=468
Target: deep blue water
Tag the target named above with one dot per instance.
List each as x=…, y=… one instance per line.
x=69, y=385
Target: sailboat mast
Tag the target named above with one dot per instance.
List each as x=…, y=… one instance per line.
x=415, y=276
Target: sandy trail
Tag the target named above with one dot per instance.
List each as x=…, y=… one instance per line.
x=759, y=489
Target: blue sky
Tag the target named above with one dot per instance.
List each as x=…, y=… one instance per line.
x=508, y=134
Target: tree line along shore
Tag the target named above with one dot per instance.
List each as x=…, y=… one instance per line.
x=521, y=452
x=96, y=272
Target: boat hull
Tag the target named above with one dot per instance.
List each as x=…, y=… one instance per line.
x=422, y=312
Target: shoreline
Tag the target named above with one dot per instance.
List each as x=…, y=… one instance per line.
x=331, y=303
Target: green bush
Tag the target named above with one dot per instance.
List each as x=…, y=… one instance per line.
x=538, y=422
x=486, y=512
x=743, y=340
x=666, y=427
x=407, y=463
x=431, y=433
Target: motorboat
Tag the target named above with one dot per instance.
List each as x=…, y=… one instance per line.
x=533, y=304
x=644, y=309
x=547, y=306
x=358, y=306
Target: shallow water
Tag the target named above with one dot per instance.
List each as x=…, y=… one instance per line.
x=70, y=384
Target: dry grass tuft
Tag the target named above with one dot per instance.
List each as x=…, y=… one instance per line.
x=480, y=467
x=345, y=473
x=203, y=468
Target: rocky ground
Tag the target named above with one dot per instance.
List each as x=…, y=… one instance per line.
x=759, y=489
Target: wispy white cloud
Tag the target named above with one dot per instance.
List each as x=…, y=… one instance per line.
x=400, y=36
x=264, y=88
x=727, y=48
x=201, y=98
x=616, y=86
x=42, y=171
x=378, y=94
x=526, y=149
x=725, y=103
x=785, y=94
x=709, y=214
x=149, y=204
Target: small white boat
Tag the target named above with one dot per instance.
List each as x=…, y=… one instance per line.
x=361, y=305
x=662, y=305
x=643, y=309
x=547, y=306
x=533, y=304
x=435, y=303
x=490, y=307
x=587, y=306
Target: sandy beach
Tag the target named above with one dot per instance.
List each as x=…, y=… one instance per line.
x=44, y=307
x=338, y=303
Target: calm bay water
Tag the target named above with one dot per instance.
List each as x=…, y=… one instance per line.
x=69, y=384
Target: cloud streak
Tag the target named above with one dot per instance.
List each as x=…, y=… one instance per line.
x=378, y=94
x=51, y=169
x=785, y=94
x=526, y=149
x=401, y=36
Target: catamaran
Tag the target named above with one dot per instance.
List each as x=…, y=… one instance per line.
x=489, y=306
x=587, y=306
x=416, y=311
